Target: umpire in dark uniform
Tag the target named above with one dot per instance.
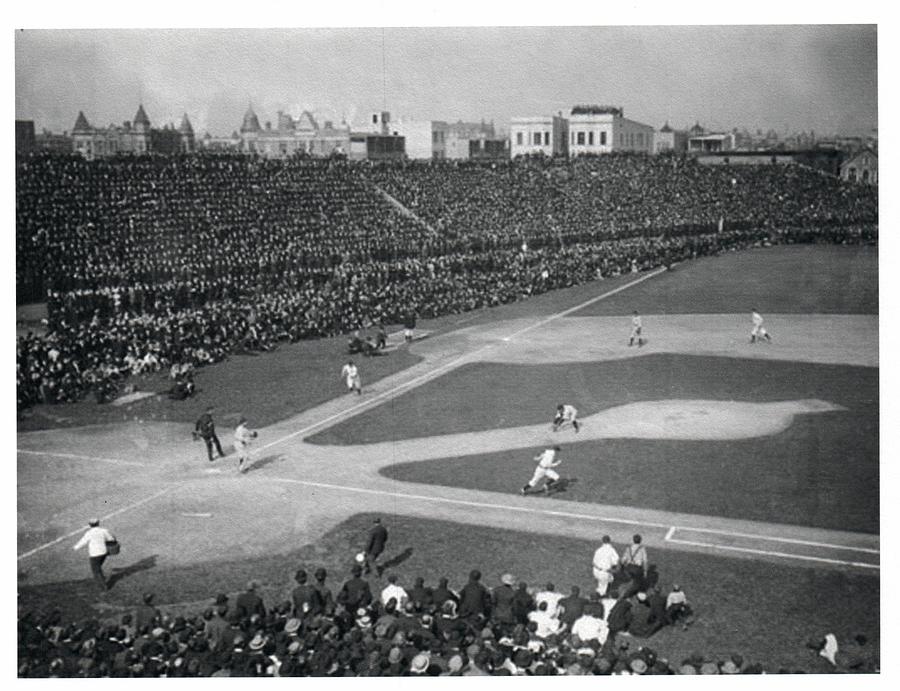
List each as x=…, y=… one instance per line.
x=378, y=536
x=206, y=430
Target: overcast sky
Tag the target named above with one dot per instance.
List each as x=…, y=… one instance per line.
x=796, y=77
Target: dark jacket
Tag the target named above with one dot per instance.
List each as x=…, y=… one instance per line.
x=355, y=594
x=205, y=427
x=306, y=595
x=573, y=607
x=474, y=599
x=503, y=598
x=619, y=618
x=377, y=538
x=523, y=603
x=248, y=604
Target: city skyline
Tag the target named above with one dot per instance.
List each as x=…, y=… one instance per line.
x=786, y=78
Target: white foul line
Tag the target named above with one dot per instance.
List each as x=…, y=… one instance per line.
x=102, y=518
x=465, y=502
x=586, y=517
x=772, y=538
x=75, y=456
x=433, y=373
x=770, y=553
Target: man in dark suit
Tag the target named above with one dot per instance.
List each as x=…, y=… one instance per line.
x=356, y=592
x=378, y=536
x=145, y=613
x=205, y=429
x=304, y=597
x=442, y=594
x=503, y=597
x=572, y=606
x=474, y=599
x=249, y=603
x=326, y=599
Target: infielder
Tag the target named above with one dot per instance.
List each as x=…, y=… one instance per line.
x=758, y=330
x=636, y=330
x=565, y=414
x=547, y=461
x=350, y=374
x=242, y=439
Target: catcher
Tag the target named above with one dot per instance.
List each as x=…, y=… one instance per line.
x=242, y=439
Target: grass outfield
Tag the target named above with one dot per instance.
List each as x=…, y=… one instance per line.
x=822, y=471
x=794, y=279
x=267, y=387
x=761, y=610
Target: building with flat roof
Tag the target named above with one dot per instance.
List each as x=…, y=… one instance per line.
x=541, y=134
x=604, y=129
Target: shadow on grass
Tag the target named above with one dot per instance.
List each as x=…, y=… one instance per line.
x=264, y=461
x=396, y=560
x=119, y=573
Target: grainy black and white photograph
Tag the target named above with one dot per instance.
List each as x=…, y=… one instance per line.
x=432, y=351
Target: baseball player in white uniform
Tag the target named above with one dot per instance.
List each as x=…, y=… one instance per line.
x=758, y=331
x=565, y=414
x=350, y=374
x=243, y=436
x=636, y=330
x=547, y=461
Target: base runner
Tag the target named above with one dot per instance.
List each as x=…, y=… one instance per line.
x=547, y=461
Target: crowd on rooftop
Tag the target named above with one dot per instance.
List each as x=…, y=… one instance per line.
x=146, y=262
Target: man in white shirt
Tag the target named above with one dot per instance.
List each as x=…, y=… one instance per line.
x=350, y=374
x=590, y=628
x=546, y=463
x=546, y=624
x=758, y=331
x=551, y=597
x=395, y=592
x=96, y=538
x=605, y=560
x=242, y=438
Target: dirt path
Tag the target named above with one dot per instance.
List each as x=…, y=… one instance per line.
x=297, y=491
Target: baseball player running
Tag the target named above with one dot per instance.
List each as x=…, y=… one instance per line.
x=350, y=374
x=636, y=330
x=243, y=436
x=547, y=461
x=565, y=414
x=758, y=331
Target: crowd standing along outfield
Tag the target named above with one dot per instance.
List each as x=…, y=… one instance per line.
x=148, y=261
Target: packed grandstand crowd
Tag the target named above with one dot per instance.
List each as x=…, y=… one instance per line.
x=508, y=630
x=149, y=262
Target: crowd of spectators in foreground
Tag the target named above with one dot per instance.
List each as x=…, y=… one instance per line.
x=151, y=262
x=403, y=630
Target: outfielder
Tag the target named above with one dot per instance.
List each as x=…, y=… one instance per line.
x=547, y=461
x=758, y=330
x=636, y=330
x=242, y=439
x=565, y=414
x=350, y=374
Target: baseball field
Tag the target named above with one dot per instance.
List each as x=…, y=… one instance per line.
x=751, y=470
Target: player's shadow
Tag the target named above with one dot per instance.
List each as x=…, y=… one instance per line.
x=119, y=573
x=562, y=485
x=264, y=461
x=397, y=559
